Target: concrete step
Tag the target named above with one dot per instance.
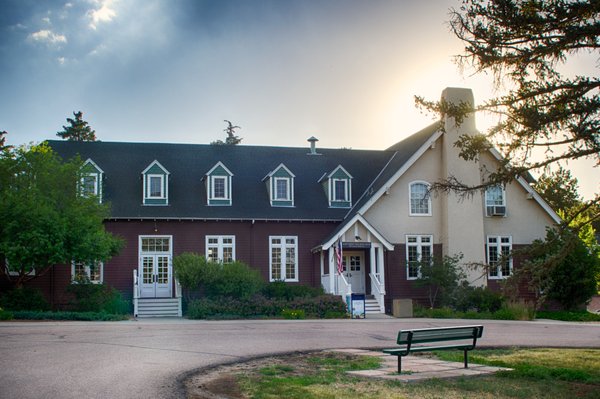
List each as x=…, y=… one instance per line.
x=372, y=306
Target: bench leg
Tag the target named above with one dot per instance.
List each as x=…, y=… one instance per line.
x=466, y=360
x=399, y=364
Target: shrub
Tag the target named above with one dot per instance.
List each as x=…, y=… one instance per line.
x=191, y=270
x=5, y=314
x=480, y=299
x=281, y=289
x=293, y=314
x=81, y=316
x=90, y=297
x=236, y=280
x=24, y=298
x=257, y=305
x=440, y=278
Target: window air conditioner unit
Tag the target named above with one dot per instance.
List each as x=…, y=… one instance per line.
x=496, y=210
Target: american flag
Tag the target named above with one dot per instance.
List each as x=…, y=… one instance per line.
x=338, y=255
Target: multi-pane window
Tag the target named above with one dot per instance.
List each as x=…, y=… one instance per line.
x=495, y=201
x=89, y=185
x=155, y=186
x=284, y=258
x=156, y=244
x=282, y=189
x=219, y=187
x=420, y=199
x=87, y=272
x=498, y=254
x=220, y=248
x=419, y=250
x=354, y=261
x=340, y=190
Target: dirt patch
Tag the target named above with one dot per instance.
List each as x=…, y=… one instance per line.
x=221, y=382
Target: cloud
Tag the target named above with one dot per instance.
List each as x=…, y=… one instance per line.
x=102, y=14
x=48, y=37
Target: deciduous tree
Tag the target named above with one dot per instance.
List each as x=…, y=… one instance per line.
x=45, y=221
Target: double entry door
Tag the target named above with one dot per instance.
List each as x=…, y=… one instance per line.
x=155, y=267
x=354, y=270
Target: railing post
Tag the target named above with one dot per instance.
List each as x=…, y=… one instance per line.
x=178, y=296
x=136, y=293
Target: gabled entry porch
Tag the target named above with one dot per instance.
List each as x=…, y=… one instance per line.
x=352, y=261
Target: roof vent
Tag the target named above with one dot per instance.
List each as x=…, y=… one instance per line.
x=313, y=145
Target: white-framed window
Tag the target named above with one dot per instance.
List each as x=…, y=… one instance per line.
x=154, y=186
x=340, y=190
x=89, y=185
x=419, y=250
x=495, y=201
x=220, y=249
x=498, y=256
x=283, y=260
x=84, y=271
x=282, y=189
x=219, y=187
x=420, y=199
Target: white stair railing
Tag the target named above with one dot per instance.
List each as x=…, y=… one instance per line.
x=178, y=296
x=136, y=292
x=378, y=291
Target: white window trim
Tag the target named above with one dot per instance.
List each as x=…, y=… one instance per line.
x=289, y=190
x=96, y=192
x=347, y=190
x=212, y=188
x=486, y=197
x=410, y=212
x=283, y=247
x=499, y=244
x=162, y=186
x=419, y=244
x=87, y=272
x=220, y=245
x=140, y=252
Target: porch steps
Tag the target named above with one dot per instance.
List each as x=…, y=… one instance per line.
x=371, y=305
x=159, y=307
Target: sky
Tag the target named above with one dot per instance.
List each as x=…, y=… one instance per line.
x=344, y=71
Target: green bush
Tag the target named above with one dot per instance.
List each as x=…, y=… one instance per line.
x=568, y=316
x=257, y=305
x=479, y=299
x=236, y=280
x=5, y=314
x=24, y=298
x=281, y=289
x=80, y=316
x=90, y=297
x=293, y=314
x=191, y=270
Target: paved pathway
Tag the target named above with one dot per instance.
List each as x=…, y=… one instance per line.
x=148, y=359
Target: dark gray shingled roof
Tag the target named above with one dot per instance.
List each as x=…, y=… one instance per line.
x=187, y=164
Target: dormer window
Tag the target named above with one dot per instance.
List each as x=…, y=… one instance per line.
x=495, y=201
x=280, y=185
x=218, y=185
x=338, y=187
x=91, y=180
x=156, y=184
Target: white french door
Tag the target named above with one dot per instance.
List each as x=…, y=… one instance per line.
x=354, y=270
x=155, y=271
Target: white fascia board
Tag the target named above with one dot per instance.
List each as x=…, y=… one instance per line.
x=155, y=162
x=343, y=170
x=94, y=164
x=216, y=166
x=557, y=219
x=384, y=188
x=357, y=218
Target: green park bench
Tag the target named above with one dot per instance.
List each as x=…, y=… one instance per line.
x=466, y=335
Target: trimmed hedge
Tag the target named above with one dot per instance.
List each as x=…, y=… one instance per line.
x=24, y=298
x=324, y=306
x=79, y=316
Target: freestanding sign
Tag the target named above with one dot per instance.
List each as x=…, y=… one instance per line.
x=356, y=305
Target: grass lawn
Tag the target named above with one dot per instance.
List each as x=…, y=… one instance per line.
x=538, y=373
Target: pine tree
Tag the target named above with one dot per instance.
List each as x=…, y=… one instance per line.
x=79, y=130
x=231, y=139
